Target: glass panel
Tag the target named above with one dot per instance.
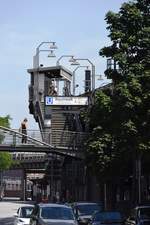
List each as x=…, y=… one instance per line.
x=88, y=209
x=56, y=213
x=26, y=212
x=107, y=216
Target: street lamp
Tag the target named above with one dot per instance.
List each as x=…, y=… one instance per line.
x=73, y=77
x=51, y=54
x=38, y=50
x=93, y=70
x=63, y=56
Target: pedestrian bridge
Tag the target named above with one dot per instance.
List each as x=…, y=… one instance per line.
x=11, y=141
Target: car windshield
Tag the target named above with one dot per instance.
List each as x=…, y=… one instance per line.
x=57, y=213
x=26, y=212
x=107, y=216
x=88, y=209
x=144, y=213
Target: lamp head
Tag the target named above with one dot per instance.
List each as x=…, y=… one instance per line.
x=100, y=77
x=53, y=45
x=71, y=60
x=75, y=63
x=51, y=54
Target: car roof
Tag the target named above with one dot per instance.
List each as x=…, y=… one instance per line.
x=27, y=206
x=142, y=206
x=108, y=211
x=86, y=203
x=53, y=205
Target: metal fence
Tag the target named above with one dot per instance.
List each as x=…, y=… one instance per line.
x=57, y=138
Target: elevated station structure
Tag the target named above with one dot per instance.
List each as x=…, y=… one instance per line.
x=53, y=106
x=57, y=113
x=62, y=135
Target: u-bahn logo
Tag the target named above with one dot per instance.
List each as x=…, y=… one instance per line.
x=49, y=100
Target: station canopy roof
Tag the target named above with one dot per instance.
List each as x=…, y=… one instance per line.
x=53, y=72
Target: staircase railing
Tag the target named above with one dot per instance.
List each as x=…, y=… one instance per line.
x=40, y=118
x=69, y=139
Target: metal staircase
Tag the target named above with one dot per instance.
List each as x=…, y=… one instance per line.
x=59, y=120
x=59, y=125
x=65, y=130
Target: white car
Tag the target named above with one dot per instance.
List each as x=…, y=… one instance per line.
x=22, y=217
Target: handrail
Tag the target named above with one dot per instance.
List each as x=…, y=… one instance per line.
x=29, y=137
x=19, y=134
x=71, y=150
x=78, y=122
x=41, y=119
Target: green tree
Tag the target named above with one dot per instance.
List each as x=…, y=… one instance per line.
x=5, y=158
x=5, y=121
x=120, y=118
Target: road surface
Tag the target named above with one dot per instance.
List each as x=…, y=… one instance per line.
x=8, y=208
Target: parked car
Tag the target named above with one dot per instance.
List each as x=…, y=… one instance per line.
x=49, y=213
x=83, y=211
x=22, y=217
x=107, y=217
x=140, y=215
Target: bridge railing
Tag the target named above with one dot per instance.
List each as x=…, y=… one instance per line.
x=58, y=138
x=14, y=137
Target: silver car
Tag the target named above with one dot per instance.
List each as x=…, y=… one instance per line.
x=56, y=214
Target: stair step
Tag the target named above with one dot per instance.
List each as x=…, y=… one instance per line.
x=54, y=120
x=58, y=121
x=59, y=117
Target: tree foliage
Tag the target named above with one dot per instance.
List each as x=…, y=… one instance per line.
x=5, y=121
x=120, y=118
x=5, y=158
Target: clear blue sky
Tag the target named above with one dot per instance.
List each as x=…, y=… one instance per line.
x=78, y=27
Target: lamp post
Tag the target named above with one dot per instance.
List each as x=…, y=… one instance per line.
x=38, y=50
x=63, y=56
x=73, y=80
x=93, y=69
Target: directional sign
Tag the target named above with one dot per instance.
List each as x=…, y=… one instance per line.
x=49, y=100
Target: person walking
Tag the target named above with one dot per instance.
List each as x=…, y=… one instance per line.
x=24, y=130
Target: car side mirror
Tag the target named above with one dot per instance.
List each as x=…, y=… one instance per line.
x=15, y=215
